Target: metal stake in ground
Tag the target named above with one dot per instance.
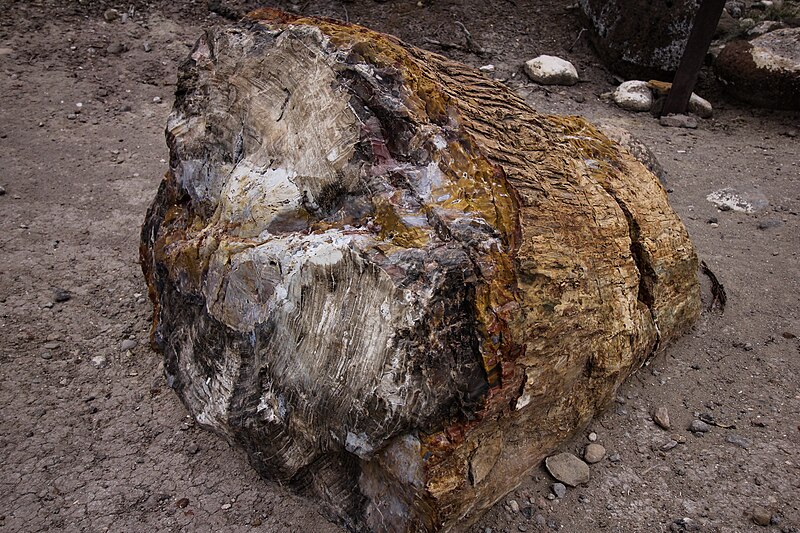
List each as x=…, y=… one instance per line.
x=705, y=22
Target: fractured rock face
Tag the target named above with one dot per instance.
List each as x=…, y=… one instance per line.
x=390, y=281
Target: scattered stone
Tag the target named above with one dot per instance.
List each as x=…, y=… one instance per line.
x=551, y=70
x=634, y=95
x=592, y=437
x=72, y=116
x=226, y=506
x=594, y=453
x=61, y=295
x=614, y=458
x=487, y=68
x=46, y=355
x=680, y=439
x=182, y=503
x=52, y=345
x=559, y=489
x=788, y=335
x=698, y=426
x=744, y=201
x=193, y=448
x=761, y=516
x=99, y=361
x=678, y=121
x=128, y=344
x=684, y=524
x=700, y=107
x=522, y=527
x=738, y=440
x=661, y=417
x=568, y=469
x=146, y=46
x=111, y=15
x=116, y=48
x=769, y=223
x=156, y=99
x=667, y=446
x=583, y=498
x=2, y=190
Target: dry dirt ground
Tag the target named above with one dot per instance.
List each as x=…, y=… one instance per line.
x=91, y=439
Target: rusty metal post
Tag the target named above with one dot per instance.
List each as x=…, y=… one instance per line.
x=705, y=23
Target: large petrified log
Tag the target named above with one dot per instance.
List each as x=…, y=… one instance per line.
x=390, y=281
x=640, y=39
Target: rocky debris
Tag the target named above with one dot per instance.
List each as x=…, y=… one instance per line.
x=2, y=190
x=592, y=437
x=634, y=146
x=568, y=469
x=678, y=121
x=634, y=95
x=743, y=201
x=761, y=516
x=682, y=525
x=406, y=194
x=551, y=70
x=61, y=295
x=147, y=47
x=99, y=361
x=116, y=48
x=559, y=490
x=661, y=417
x=615, y=458
x=110, y=15
x=698, y=426
x=128, y=344
x=594, y=453
x=182, y=503
x=764, y=71
x=634, y=49
x=668, y=445
x=193, y=448
x=738, y=440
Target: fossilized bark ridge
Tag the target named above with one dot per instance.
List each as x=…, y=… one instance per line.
x=389, y=280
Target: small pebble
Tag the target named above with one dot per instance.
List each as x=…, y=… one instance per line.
x=667, y=446
x=46, y=355
x=698, y=426
x=661, y=417
x=614, y=458
x=559, y=489
x=193, y=448
x=116, y=48
x=513, y=505
x=128, y=344
x=226, y=506
x=2, y=190
x=738, y=440
x=592, y=437
x=182, y=503
x=111, y=15
x=146, y=46
x=99, y=361
x=61, y=295
x=522, y=527
x=157, y=100
x=761, y=516
x=594, y=453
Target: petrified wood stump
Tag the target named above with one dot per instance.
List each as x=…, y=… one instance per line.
x=390, y=281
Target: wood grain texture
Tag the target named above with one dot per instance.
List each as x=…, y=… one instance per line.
x=390, y=281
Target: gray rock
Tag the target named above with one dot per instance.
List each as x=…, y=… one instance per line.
x=678, y=121
x=568, y=469
x=99, y=361
x=592, y=437
x=128, y=344
x=559, y=489
x=738, y=440
x=2, y=190
x=193, y=448
x=700, y=106
x=661, y=417
x=61, y=295
x=594, y=453
x=698, y=426
x=513, y=505
x=761, y=516
x=634, y=95
x=667, y=446
x=615, y=458
x=46, y=355
x=111, y=15
x=116, y=48
x=146, y=46
x=551, y=70
x=769, y=224
x=52, y=345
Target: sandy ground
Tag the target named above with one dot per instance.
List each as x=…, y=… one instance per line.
x=91, y=439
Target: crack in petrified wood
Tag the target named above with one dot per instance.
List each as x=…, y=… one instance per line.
x=389, y=280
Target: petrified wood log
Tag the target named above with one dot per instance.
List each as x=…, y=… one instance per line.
x=390, y=281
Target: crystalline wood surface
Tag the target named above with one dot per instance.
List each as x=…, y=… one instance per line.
x=388, y=279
